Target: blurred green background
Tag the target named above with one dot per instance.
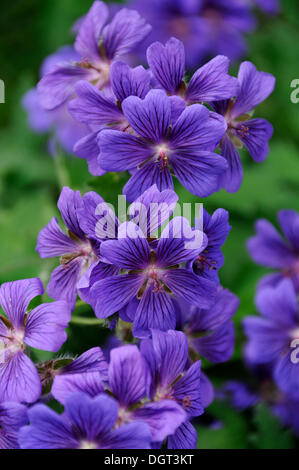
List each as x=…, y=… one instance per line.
x=30, y=182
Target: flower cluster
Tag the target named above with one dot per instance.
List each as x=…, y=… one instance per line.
x=152, y=122
x=150, y=273
x=272, y=349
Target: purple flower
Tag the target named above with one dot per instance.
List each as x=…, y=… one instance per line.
x=12, y=417
x=87, y=423
x=210, y=82
x=41, y=328
x=151, y=276
x=77, y=252
x=210, y=332
x=269, y=6
x=273, y=338
x=98, y=109
x=238, y=394
x=269, y=249
x=206, y=27
x=127, y=379
x=210, y=260
x=162, y=144
x=97, y=45
x=255, y=87
x=166, y=354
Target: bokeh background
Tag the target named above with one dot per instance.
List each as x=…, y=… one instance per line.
x=30, y=182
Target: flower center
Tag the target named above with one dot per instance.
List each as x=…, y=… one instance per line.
x=162, y=153
x=87, y=445
x=163, y=393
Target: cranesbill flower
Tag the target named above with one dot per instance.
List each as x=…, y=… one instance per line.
x=206, y=27
x=162, y=145
x=41, y=328
x=210, y=332
x=77, y=253
x=210, y=260
x=87, y=423
x=97, y=45
x=97, y=109
x=270, y=249
x=127, y=379
x=152, y=275
x=254, y=88
x=166, y=354
x=12, y=417
x=272, y=338
x=211, y=82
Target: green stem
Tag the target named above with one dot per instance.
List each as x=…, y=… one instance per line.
x=88, y=321
x=60, y=167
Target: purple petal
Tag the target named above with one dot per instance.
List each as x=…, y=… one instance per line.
x=232, y=178
x=225, y=306
x=47, y=430
x=45, y=326
x=268, y=248
x=191, y=288
x=129, y=436
x=56, y=87
x=266, y=340
x=171, y=351
x=286, y=374
x=279, y=304
x=150, y=118
x=197, y=128
x=212, y=82
x=187, y=391
x=92, y=360
x=15, y=297
x=131, y=250
x=184, y=438
x=63, y=282
x=206, y=390
x=19, y=380
x=12, y=417
x=163, y=418
x=126, y=30
x=95, y=210
x=52, y=241
x=155, y=310
x=255, y=87
x=93, y=108
x=255, y=134
x=146, y=176
x=153, y=208
x=91, y=418
x=167, y=63
x=217, y=346
x=179, y=243
x=128, y=375
x=90, y=383
x=87, y=42
x=126, y=81
x=289, y=222
x=178, y=105
x=68, y=203
x=199, y=171
x=216, y=227
x=120, y=151
x=113, y=293
x=87, y=147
